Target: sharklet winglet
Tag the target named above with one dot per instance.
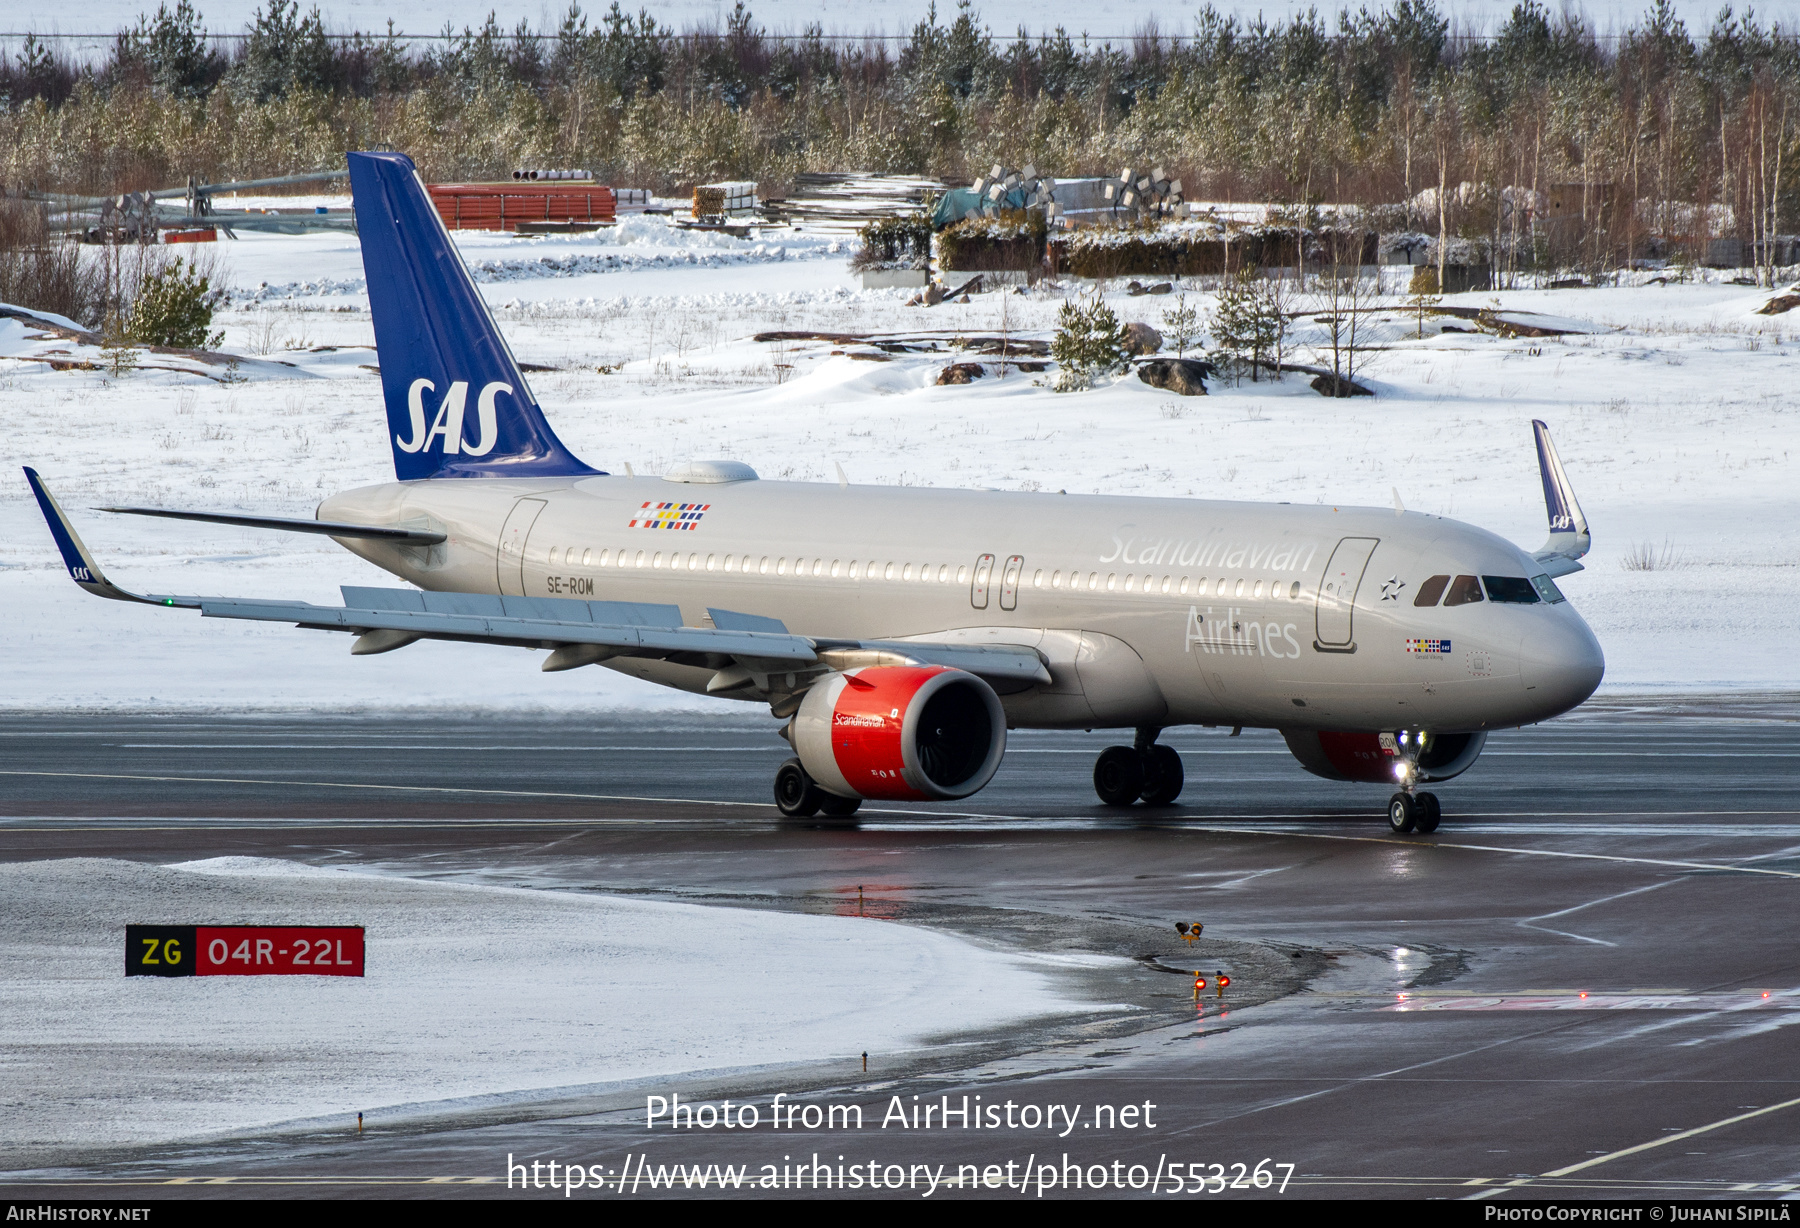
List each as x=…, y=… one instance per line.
x=1569, y=538
x=82, y=568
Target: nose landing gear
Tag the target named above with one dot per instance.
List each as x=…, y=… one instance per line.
x=1410, y=811
x=1145, y=772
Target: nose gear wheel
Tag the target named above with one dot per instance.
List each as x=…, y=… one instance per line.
x=1429, y=812
x=1403, y=814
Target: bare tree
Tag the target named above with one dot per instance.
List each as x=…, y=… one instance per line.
x=1344, y=295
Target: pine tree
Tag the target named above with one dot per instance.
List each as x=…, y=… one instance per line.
x=1181, y=325
x=1247, y=323
x=174, y=306
x=1089, y=342
x=1422, y=293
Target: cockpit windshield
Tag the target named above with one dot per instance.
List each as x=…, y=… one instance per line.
x=1515, y=589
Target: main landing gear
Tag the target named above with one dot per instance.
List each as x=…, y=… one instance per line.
x=798, y=797
x=1144, y=772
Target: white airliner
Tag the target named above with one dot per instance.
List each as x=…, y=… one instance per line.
x=900, y=632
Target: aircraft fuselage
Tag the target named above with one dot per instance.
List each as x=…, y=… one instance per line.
x=1148, y=611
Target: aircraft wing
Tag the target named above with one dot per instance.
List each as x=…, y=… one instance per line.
x=744, y=650
x=1569, y=538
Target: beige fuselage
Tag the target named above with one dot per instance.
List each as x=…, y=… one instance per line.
x=1148, y=611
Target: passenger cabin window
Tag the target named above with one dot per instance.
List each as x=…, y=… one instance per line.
x=1547, y=589
x=1463, y=590
x=1431, y=590
x=1515, y=590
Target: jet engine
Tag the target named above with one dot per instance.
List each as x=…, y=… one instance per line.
x=1371, y=757
x=900, y=733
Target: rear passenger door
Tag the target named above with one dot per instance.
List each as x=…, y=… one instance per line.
x=509, y=561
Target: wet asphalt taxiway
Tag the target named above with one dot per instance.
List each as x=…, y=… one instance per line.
x=1579, y=986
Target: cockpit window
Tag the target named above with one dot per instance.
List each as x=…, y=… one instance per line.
x=1463, y=590
x=1431, y=590
x=1514, y=589
x=1547, y=589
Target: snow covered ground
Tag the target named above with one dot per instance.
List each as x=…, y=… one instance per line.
x=470, y=992
x=1674, y=417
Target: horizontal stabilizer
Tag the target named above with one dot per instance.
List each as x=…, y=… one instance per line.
x=288, y=524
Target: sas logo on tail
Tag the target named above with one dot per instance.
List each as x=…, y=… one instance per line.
x=448, y=423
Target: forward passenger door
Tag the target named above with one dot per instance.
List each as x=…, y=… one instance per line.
x=1336, y=608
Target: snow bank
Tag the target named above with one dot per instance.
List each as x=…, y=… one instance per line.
x=470, y=991
x=1673, y=419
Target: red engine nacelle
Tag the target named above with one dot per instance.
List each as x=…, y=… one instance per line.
x=1372, y=757
x=901, y=733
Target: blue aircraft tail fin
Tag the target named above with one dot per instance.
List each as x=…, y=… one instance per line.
x=457, y=405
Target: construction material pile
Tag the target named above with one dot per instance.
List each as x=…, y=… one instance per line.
x=832, y=201
x=1145, y=194
x=528, y=205
x=714, y=202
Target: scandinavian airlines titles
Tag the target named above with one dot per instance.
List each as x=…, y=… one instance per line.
x=1248, y=556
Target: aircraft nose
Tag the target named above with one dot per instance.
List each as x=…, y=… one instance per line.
x=1561, y=663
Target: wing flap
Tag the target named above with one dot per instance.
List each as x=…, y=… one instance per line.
x=1010, y=663
x=503, y=627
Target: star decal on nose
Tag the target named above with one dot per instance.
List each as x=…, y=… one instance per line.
x=1390, y=588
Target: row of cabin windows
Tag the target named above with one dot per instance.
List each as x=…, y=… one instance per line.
x=1464, y=590
x=941, y=573
x=751, y=564
x=1184, y=586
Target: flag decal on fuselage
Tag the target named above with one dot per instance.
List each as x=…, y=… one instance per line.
x=669, y=515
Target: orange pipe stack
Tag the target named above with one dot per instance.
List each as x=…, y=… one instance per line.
x=502, y=206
